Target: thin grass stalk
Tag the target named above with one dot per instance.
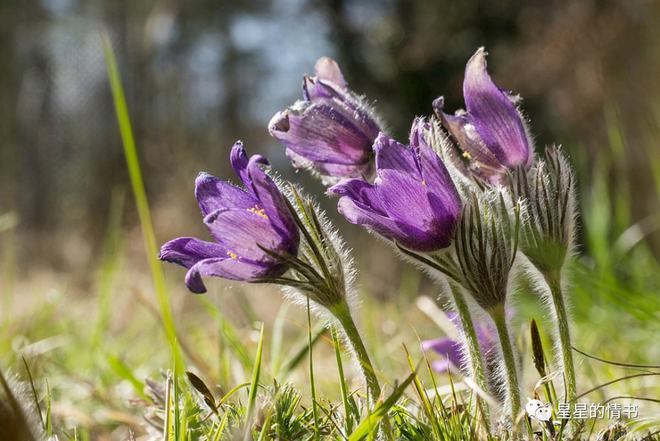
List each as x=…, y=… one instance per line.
x=513, y=389
x=311, y=371
x=254, y=387
x=423, y=396
x=348, y=420
x=168, y=406
x=141, y=201
x=176, y=410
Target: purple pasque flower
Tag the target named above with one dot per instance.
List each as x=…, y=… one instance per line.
x=412, y=201
x=451, y=350
x=241, y=222
x=331, y=131
x=491, y=131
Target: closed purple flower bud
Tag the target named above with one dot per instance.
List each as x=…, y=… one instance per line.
x=413, y=200
x=331, y=131
x=491, y=132
x=241, y=221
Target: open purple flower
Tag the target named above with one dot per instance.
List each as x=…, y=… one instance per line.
x=451, y=350
x=413, y=200
x=331, y=131
x=241, y=222
x=492, y=132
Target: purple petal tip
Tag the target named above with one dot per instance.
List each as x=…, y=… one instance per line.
x=194, y=282
x=327, y=69
x=438, y=105
x=279, y=123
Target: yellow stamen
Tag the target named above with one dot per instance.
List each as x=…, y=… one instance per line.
x=258, y=211
x=467, y=155
x=232, y=255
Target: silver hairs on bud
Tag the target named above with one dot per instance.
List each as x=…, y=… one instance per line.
x=486, y=246
x=548, y=228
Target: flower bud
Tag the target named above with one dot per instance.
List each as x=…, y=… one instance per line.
x=331, y=131
x=491, y=131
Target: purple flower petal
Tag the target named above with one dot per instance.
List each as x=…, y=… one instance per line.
x=404, y=198
x=214, y=194
x=495, y=117
x=239, y=161
x=227, y=268
x=273, y=203
x=360, y=191
x=361, y=204
x=243, y=223
x=446, y=347
x=492, y=132
x=187, y=251
x=242, y=231
x=327, y=69
x=329, y=168
x=360, y=210
x=331, y=131
x=413, y=200
x=486, y=164
x=440, y=366
x=360, y=214
x=322, y=133
x=392, y=155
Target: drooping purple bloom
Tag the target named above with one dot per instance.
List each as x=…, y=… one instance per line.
x=491, y=132
x=451, y=350
x=241, y=221
x=331, y=130
x=413, y=200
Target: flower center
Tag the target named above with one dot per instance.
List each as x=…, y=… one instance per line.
x=232, y=255
x=258, y=211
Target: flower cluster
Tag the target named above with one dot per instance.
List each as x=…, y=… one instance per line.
x=461, y=198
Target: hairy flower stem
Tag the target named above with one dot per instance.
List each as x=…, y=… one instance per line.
x=474, y=354
x=553, y=279
x=513, y=389
x=343, y=315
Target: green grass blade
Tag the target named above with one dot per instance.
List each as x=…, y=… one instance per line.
x=49, y=411
x=348, y=417
x=35, y=395
x=315, y=411
x=109, y=265
x=300, y=351
x=141, y=201
x=254, y=387
x=276, y=339
x=167, y=424
x=176, y=408
x=367, y=426
x=124, y=372
x=426, y=403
